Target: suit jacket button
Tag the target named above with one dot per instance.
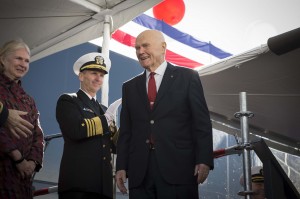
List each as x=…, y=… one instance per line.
x=151, y=121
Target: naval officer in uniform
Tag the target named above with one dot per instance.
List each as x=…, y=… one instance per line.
x=86, y=169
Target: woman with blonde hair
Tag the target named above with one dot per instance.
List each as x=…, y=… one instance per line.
x=19, y=158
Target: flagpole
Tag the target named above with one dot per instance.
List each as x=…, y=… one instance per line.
x=105, y=51
x=105, y=88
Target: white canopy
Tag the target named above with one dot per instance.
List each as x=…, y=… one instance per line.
x=269, y=74
x=51, y=26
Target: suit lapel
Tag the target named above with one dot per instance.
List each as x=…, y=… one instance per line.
x=86, y=101
x=166, y=83
x=142, y=90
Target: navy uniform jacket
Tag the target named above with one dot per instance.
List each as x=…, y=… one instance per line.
x=179, y=123
x=86, y=160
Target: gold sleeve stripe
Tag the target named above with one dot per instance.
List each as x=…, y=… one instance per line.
x=93, y=126
x=87, y=127
x=1, y=107
x=98, y=126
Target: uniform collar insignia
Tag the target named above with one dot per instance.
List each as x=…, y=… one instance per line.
x=89, y=110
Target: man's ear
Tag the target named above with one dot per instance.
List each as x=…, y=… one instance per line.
x=80, y=76
x=164, y=45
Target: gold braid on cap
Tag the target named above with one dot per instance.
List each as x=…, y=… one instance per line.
x=98, y=63
x=258, y=177
x=92, y=66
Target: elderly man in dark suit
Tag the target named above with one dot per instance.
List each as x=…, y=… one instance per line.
x=85, y=169
x=165, y=143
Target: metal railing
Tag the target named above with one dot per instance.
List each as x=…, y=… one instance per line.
x=241, y=148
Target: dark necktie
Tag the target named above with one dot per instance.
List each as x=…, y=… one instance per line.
x=95, y=105
x=151, y=89
x=151, y=98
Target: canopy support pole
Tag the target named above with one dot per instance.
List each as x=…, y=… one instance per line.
x=105, y=51
x=243, y=115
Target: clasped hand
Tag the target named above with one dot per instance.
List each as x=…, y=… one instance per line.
x=26, y=168
x=111, y=111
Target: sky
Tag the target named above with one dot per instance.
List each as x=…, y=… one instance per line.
x=234, y=26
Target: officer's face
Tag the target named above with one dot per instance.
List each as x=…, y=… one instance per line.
x=259, y=191
x=91, y=81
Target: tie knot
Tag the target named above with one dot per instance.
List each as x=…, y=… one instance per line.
x=94, y=101
x=152, y=74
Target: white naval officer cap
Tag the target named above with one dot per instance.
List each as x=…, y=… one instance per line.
x=92, y=61
x=257, y=175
